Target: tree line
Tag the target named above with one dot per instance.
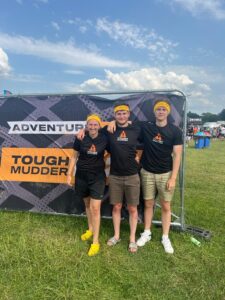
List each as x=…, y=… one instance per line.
x=208, y=117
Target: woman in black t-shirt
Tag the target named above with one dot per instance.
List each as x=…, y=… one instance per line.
x=90, y=177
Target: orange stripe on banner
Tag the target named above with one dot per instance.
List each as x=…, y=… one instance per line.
x=35, y=164
x=39, y=164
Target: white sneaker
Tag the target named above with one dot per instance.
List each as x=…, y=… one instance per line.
x=167, y=246
x=143, y=239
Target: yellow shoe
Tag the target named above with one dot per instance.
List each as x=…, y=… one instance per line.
x=94, y=249
x=87, y=235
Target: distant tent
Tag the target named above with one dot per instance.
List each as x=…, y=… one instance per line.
x=7, y=93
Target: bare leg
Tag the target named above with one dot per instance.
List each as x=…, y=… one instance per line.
x=95, y=206
x=116, y=214
x=166, y=216
x=88, y=213
x=148, y=213
x=133, y=218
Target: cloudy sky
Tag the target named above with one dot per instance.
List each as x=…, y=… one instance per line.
x=69, y=46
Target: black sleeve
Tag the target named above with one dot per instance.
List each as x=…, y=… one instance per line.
x=106, y=136
x=104, y=130
x=76, y=145
x=107, y=148
x=178, y=139
x=140, y=145
x=139, y=125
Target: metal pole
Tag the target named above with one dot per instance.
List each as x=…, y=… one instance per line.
x=183, y=166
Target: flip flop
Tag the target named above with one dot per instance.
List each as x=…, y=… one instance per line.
x=113, y=241
x=132, y=248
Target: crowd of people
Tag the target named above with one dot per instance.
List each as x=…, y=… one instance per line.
x=214, y=132
x=156, y=171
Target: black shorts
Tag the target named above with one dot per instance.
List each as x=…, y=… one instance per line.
x=90, y=184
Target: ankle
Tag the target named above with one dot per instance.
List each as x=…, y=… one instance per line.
x=147, y=232
x=165, y=236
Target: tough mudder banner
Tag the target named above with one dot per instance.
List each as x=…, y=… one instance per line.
x=36, y=136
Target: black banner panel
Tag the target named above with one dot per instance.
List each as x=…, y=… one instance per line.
x=36, y=137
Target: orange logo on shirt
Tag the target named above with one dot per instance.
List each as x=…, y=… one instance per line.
x=122, y=137
x=92, y=150
x=158, y=139
x=123, y=134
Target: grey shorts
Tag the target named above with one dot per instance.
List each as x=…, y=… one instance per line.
x=155, y=182
x=124, y=185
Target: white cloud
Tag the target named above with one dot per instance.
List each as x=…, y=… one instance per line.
x=19, y=2
x=55, y=25
x=62, y=52
x=4, y=63
x=198, y=93
x=74, y=72
x=215, y=8
x=207, y=74
x=27, y=78
x=82, y=25
x=138, y=38
x=143, y=79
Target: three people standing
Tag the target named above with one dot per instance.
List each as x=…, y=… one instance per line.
x=160, y=162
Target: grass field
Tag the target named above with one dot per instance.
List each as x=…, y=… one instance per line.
x=42, y=257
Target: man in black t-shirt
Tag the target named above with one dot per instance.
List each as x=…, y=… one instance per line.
x=160, y=165
x=124, y=178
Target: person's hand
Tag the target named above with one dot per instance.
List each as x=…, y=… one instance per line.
x=80, y=135
x=69, y=180
x=171, y=183
x=111, y=126
x=137, y=158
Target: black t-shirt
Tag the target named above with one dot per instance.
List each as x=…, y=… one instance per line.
x=122, y=147
x=91, y=153
x=158, y=146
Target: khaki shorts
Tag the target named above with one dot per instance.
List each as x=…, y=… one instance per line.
x=152, y=183
x=124, y=185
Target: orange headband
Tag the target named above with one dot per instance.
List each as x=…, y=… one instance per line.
x=94, y=117
x=121, y=107
x=162, y=104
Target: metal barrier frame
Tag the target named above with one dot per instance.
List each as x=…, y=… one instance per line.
x=179, y=220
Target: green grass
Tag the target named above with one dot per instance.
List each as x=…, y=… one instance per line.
x=42, y=257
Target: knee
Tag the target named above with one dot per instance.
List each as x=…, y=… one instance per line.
x=95, y=209
x=117, y=207
x=165, y=206
x=132, y=209
x=149, y=203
